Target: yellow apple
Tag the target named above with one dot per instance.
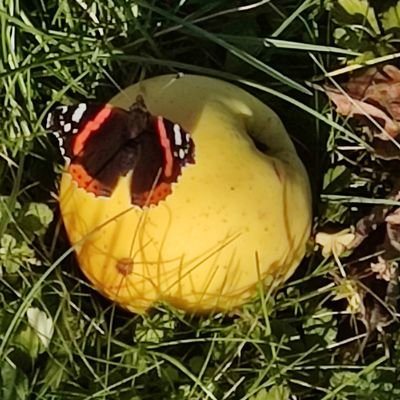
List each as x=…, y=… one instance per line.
x=237, y=217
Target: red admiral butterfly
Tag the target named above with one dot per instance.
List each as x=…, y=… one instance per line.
x=103, y=142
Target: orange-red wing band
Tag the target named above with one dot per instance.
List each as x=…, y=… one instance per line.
x=166, y=145
x=90, y=128
x=85, y=181
x=159, y=193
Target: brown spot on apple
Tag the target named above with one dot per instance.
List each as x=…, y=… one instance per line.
x=125, y=266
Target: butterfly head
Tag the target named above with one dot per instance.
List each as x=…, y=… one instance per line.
x=139, y=120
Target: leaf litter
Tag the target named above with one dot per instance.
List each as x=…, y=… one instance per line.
x=371, y=249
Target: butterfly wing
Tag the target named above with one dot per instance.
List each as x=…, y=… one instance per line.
x=166, y=151
x=98, y=143
x=102, y=143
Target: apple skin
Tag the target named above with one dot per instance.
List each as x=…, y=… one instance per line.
x=235, y=218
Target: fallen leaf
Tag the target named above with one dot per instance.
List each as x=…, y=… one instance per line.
x=42, y=324
x=393, y=229
x=384, y=269
x=373, y=94
x=351, y=107
x=334, y=243
x=394, y=217
x=385, y=149
x=351, y=291
x=378, y=216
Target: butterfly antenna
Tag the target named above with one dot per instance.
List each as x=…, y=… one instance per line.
x=139, y=102
x=115, y=83
x=179, y=75
x=139, y=99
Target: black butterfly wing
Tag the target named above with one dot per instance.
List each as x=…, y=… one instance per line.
x=102, y=143
x=99, y=143
x=67, y=122
x=166, y=151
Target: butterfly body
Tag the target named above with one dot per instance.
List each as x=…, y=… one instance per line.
x=101, y=143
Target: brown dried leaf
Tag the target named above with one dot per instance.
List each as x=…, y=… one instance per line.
x=373, y=93
x=380, y=86
x=394, y=217
x=334, y=243
x=378, y=216
x=386, y=149
x=393, y=229
x=384, y=269
x=350, y=107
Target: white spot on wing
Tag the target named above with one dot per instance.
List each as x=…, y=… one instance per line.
x=77, y=114
x=61, y=143
x=181, y=154
x=63, y=109
x=178, y=135
x=49, y=120
x=67, y=127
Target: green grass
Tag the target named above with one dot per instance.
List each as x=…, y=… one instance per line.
x=291, y=345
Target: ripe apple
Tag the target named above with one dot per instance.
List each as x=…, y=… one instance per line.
x=237, y=217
